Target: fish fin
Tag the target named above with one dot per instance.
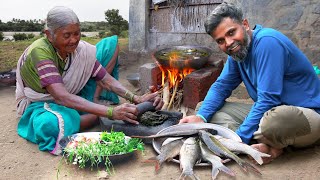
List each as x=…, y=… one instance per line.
x=223, y=161
x=199, y=161
x=150, y=160
x=154, y=160
x=169, y=159
x=157, y=166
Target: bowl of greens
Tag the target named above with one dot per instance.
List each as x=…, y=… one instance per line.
x=93, y=149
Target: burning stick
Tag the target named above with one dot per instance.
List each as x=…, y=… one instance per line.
x=173, y=95
x=165, y=96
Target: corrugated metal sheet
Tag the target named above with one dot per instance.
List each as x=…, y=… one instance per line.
x=188, y=18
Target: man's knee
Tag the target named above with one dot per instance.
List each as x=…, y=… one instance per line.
x=281, y=125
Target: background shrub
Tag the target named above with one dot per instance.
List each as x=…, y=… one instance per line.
x=124, y=34
x=20, y=36
x=1, y=36
x=30, y=36
x=102, y=34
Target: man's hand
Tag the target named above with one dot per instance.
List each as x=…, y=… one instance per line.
x=191, y=119
x=152, y=97
x=274, y=152
x=126, y=112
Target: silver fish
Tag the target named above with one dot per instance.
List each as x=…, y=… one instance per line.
x=189, y=156
x=240, y=147
x=177, y=133
x=219, y=149
x=215, y=161
x=167, y=153
x=168, y=140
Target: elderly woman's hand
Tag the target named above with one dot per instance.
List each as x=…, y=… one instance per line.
x=152, y=97
x=126, y=112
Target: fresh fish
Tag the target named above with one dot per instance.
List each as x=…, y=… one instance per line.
x=167, y=153
x=219, y=149
x=189, y=156
x=178, y=133
x=240, y=147
x=168, y=140
x=215, y=161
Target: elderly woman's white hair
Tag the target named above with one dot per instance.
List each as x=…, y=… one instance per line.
x=60, y=16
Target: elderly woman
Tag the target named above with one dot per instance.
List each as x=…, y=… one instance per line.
x=50, y=74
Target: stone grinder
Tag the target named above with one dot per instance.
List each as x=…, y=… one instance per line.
x=140, y=130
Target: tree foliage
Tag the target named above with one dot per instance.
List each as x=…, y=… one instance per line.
x=93, y=26
x=115, y=22
x=18, y=25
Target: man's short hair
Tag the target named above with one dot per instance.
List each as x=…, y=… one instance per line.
x=222, y=11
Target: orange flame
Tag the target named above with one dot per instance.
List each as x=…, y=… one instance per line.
x=173, y=75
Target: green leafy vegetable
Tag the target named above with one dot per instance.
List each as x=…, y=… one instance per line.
x=92, y=153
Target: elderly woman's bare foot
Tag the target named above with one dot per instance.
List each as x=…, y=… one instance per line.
x=274, y=152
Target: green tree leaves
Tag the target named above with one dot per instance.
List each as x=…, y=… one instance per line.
x=115, y=22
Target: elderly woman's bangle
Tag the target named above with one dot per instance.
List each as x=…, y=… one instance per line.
x=129, y=96
x=109, y=112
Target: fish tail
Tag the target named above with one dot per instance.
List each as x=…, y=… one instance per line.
x=183, y=176
x=196, y=177
x=189, y=174
x=226, y=170
x=258, y=157
x=155, y=161
x=214, y=173
x=245, y=165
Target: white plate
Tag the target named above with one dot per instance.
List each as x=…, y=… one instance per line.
x=222, y=131
x=92, y=135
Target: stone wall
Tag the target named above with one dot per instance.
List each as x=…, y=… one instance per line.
x=298, y=19
x=150, y=30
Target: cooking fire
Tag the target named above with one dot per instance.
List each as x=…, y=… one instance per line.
x=175, y=64
x=171, y=83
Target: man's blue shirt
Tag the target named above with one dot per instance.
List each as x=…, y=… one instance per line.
x=275, y=72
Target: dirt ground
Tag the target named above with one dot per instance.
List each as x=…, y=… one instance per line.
x=21, y=159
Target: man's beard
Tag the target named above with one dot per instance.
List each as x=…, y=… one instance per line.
x=240, y=55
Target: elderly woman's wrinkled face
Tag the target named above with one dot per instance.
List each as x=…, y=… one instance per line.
x=233, y=38
x=66, y=39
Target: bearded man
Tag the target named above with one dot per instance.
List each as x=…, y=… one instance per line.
x=278, y=77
